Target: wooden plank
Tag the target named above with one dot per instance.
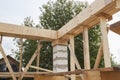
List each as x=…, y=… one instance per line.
x=115, y=27
x=88, y=16
x=32, y=59
x=37, y=77
x=92, y=75
x=39, y=68
x=112, y=75
x=86, y=48
x=99, y=56
x=27, y=32
x=106, y=52
x=77, y=72
x=7, y=63
x=59, y=42
x=72, y=60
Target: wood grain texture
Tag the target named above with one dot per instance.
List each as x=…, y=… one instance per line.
x=27, y=32
x=103, y=25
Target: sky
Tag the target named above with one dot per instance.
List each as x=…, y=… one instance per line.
x=14, y=12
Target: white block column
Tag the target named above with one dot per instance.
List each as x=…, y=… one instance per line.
x=60, y=56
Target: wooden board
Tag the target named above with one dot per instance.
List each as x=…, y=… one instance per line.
x=37, y=77
x=115, y=27
x=27, y=32
x=112, y=75
x=92, y=75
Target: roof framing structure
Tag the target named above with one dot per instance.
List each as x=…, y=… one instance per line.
x=98, y=12
x=88, y=17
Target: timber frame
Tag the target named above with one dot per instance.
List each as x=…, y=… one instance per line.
x=99, y=12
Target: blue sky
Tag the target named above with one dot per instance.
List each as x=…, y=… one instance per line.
x=14, y=12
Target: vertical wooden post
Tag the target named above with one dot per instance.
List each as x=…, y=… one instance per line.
x=20, y=65
x=72, y=61
x=38, y=58
x=7, y=63
x=86, y=48
x=106, y=52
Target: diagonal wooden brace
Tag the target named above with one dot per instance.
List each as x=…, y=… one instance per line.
x=7, y=63
x=31, y=60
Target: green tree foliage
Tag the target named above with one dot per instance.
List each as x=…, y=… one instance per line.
x=57, y=14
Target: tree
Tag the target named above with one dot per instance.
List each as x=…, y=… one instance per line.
x=57, y=14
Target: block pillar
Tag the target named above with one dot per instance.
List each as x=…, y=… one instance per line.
x=60, y=56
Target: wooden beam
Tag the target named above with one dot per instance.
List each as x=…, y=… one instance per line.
x=39, y=68
x=86, y=48
x=103, y=26
x=92, y=75
x=27, y=32
x=112, y=75
x=7, y=63
x=115, y=27
x=72, y=60
x=77, y=72
x=32, y=59
x=88, y=17
x=99, y=56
